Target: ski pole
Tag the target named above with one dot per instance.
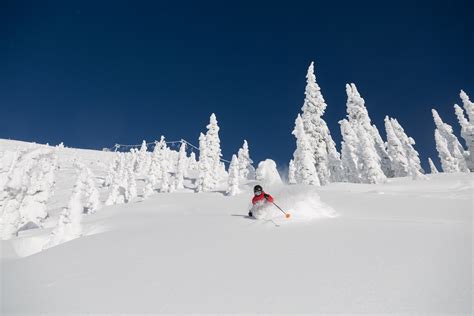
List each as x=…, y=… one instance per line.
x=287, y=215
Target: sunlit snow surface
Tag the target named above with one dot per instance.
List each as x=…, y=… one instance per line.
x=403, y=247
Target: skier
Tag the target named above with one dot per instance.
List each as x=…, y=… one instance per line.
x=260, y=199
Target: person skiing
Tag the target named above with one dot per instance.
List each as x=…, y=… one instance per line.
x=260, y=199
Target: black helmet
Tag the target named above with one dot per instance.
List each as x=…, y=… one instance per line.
x=257, y=188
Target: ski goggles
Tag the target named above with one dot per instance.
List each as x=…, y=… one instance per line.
x=257, y=192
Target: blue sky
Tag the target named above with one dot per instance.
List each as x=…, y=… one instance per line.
x=96, y=73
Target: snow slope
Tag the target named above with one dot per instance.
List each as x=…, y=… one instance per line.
x=403, y=247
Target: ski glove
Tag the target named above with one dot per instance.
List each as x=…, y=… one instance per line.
x=266, y=196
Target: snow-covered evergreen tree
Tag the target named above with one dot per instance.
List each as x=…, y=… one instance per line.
x=448, y=163
x=413, y=161
x=214, y=154
x=433, y=168
x=370, y=170
x=361, y=124
x=467, y=127
x=449, y=149
x=155, y=172
x=205, y=181
x=267, y=173
x=25, y=191
x=396, y=151
x=192, y=163
x=246, y=170
x=70, y=221
x=165, y=166
x=112, y=170
x=326, y=157
x=119, y=184
x=181, y=167
x=303, y=156
x=131, y=189
x=142, y=159
x=349, y=153
x=91, y=194
x=291, y=172
x=233, y=180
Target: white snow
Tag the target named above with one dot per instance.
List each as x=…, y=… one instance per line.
x=400, y=247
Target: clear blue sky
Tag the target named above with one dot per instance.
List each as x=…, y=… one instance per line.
x=95, y=73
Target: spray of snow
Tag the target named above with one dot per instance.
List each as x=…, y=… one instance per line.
x=301, y=201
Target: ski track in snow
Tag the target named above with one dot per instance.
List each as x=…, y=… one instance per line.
x=402, y=247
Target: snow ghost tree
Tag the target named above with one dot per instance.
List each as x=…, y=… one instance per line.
x=180, y=168
x=233, y=180
x=396, y=151
x=119, y=184
x=192, y=163
x=154, y=172
x=214, y=154
x=326, y=158
x=131, y=188
x=142, y=159
x=370, y=171
x=303, y=158
x=69, y=224
x=412, y=157
x=26, y=190
x=246, y=170
x=467, y=127
x=449, y=149
x=267, y=173
x=91, y=194
x=165, y=166
x=359, y=119
x=112, y=170
x=291, y=172
x=349, y=152
x=205, y=180
x=433, y=168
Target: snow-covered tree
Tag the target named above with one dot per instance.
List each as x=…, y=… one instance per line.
x=205, y=181
x=303, y=156
x=370, y=170
x=246, y=170
x=131, y=189
x=327, y=161
x=148, y=189
x=433, y=168
x=181, y=167
x=381, y=150
x=233, y=180
x=91, y=194
x=142, y=161
x=165, y=166
x=25, y=191
x=214, y=153
x=192, y=163
x=155, y=171
x=396, y=151
x=291, y=172
x=119, y=184
x=349, y=152
x=267, y=173
x=112, y=170
x=70, y=221
x=448, y=163
x=449, y=149
x=413, y=161
x=467, y=127
x=361, y=124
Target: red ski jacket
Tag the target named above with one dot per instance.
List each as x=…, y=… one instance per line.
x=261, y=197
